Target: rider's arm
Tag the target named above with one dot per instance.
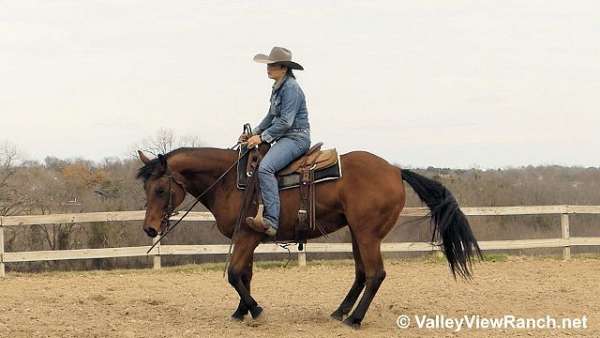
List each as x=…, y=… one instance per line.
x=264, y=124
x=290, y=104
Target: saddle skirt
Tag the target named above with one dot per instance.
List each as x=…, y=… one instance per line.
x=325, y=163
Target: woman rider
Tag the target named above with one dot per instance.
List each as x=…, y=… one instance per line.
x=286, y=124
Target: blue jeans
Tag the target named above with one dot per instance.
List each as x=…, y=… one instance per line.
x=283, y=152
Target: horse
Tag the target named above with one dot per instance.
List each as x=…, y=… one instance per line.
x=368, y=198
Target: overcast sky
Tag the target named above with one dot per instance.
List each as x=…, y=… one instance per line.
x=420, y=83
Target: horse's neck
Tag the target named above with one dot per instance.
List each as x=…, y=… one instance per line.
x=201, y=168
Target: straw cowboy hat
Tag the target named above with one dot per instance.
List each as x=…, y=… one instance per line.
x=278, y=55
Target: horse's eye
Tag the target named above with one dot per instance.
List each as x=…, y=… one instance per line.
x=160, y=191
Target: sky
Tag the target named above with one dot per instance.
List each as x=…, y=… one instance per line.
x=459, y=84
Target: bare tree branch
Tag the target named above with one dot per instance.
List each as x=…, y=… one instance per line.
x=164, y=141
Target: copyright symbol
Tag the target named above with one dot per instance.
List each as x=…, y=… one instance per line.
x=403, y=321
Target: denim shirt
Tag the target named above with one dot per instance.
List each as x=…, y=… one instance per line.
x=287, y=113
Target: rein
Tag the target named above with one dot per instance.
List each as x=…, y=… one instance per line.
x=170, y=213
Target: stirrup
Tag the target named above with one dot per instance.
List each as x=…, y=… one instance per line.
x=259, y=225
x=256, y=224
x=271, y=231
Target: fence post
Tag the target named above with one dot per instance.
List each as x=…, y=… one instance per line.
x=564, y=225
x=302, y=257
x=156, y=259
x=2, y=271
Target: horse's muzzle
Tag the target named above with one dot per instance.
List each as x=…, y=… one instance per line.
x=151, y=232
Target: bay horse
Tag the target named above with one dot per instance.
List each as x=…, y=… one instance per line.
x=368, y=198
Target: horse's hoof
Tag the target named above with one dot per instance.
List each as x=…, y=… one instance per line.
x=337, y=315
x=238, y=316
x=353, y=323
x=256, y=311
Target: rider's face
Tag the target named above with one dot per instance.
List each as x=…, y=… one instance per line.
x=275, y=71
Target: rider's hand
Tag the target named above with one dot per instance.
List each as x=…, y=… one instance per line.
x=254, y=140
x=243, y=138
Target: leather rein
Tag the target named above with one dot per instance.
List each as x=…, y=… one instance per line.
x=169, y=212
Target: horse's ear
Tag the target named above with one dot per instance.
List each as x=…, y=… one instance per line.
x=143, y=157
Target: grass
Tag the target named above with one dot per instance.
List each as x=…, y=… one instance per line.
x=433, y=258
x=486, y=257
x=495, y=257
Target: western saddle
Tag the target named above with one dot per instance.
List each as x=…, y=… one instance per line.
x=314, y=158
x=304, y=166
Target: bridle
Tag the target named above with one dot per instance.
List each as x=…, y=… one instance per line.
x=170, y=209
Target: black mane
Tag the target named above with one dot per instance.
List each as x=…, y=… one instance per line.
x=148, y=170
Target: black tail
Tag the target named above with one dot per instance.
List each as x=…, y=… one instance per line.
x=449, y=222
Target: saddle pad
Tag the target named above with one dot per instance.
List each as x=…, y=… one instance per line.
x=291, y=180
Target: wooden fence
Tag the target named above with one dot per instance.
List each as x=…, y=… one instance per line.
x=565, y=242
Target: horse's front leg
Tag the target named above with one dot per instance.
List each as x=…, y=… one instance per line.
x=240, y=273
x=242, y=309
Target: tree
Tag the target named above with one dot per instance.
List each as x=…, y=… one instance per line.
x=10, y=199
x=164, y=141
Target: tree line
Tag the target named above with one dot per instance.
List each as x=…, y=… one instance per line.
x=57, y=185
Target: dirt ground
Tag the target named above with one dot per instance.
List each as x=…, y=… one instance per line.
x=196, y=300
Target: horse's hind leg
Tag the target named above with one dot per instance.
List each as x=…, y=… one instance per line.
x=357, y=286
x=369, y=247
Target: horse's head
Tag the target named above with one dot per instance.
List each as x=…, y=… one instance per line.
x=165, y=190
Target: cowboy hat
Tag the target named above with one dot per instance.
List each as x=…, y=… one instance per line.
x=278, y=55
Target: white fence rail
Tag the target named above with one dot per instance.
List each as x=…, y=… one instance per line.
x=565, y=242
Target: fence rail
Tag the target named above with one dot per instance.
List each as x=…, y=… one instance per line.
x=565, y=242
